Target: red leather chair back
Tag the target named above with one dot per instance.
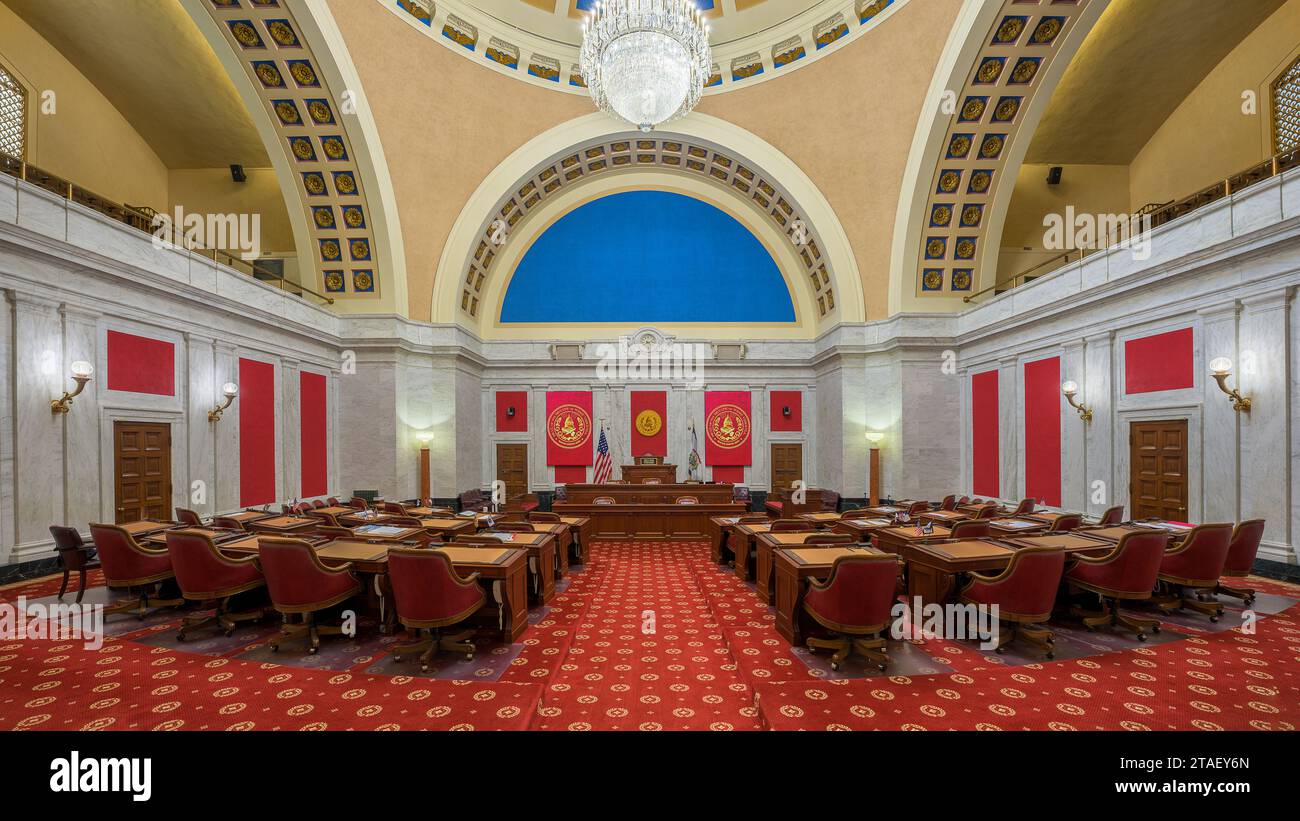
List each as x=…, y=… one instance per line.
x=188, y=517
x=295, y=578
x=987, y=512
x=1025, y=506
x=1069, y=521
x=687, y=500
x=970, y=529
x=918, y=507
x=949, y=502
x=200, y=568
x=859, y=513
x=859, y=593
x=1243, y=547
x=302, y=507
x=227, y=523
x=831, y=538
x=394, y=508
x=124, y=562
x=1132, y=566
x=1113, y=516
x=317, y=504
x=332, y=502
x=515, y=527
x=1026, y=588
x=963, y=501
x=427, y=589
x=540, y=516
x=790, y=526
x=1202, y=555
x=357, y=503
x=66, y=538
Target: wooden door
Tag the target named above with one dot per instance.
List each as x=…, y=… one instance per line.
x=512, y=468
x=787, y=466
x=142, y=460
x=1158, y=469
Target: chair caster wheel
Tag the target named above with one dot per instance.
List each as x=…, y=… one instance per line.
x=424, y=668
x=835, y=665
x=180, y=637
x=1051, y=656
x=275, y=648
x=312, y=650
x=882, y=667
x=999, y=650
x=469, y=657
x=1142, y=636
x=1155, y=629
x=1214, y=618
x=230, y=633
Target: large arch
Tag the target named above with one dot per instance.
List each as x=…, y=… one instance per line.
x=357, y=257
x=705, y=149
x=980, y=62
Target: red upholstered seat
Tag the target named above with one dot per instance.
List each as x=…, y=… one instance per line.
x=949, y=502
x=791, y=525
x=205, y=575
x=1026, y=506
x=1128, y=572
x=775, y=507
x=394, y=508
x=430, y=594
x=1066, y=522
x=987, y=512
x=299, y=583
x=1241, y=557
x=357, y=503
x=332, y=502
x=128, y=564
x=74, y=554
x=317, y=504
x=188, y=517
x=918, y=507
x=854, y=602
x=1196, y=565
x=529, y=506
x=831, y=538
x=1024, y=593
x=1112, y=516
x=970, y=529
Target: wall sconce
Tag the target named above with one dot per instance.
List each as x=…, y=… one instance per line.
x=81, y=373
x=424, y=437
x=1221, y=369
x=785, y=411
x=874, y=436
x=229, y=390
x=510, y=414
x=1070, y=388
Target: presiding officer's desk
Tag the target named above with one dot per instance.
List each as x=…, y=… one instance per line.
x=649, y=511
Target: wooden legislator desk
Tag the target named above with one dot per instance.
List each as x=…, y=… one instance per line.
x=765, y=547
x=580, y=527
x=638, y=474
x=646, y=494
x=794, y=566
x=541, y=558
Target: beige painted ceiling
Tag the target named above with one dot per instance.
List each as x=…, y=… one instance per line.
x=1141, y=60
x=558, y=20
x=151, y=62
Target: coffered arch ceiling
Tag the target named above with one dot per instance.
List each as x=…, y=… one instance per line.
x=747, y=178
x=999, y=71
x=537, y=41
x=290, y=66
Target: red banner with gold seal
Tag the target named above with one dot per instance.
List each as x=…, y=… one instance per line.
x=568, y=428
x=649, y=423
x=728, y=428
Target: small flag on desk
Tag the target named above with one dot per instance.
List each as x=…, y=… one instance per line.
x=693, y=461
x=604, y=465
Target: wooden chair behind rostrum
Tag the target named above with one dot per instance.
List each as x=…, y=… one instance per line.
x=429, y=595
x=854, y=604
x=301, y=585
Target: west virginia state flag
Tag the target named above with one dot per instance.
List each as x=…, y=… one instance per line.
x=727, y=428
x=568, y=428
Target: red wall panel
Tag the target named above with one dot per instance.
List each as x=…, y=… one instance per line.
x=1043, y=430
x=783, y=399
x=140, y=364
x=734, y=474
x=1163, y=362
x=512, y=399
x=656, y=445
x=256, y=432
x=985, y=457
x=565, y=475
x=314, y=439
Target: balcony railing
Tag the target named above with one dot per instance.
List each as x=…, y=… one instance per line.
x=142, y=219
x=1153, y=215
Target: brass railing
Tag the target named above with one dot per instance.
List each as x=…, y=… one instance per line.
x=1154, y=215
x=142, y=219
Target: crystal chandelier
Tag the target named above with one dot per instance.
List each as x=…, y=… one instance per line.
x=645, y=61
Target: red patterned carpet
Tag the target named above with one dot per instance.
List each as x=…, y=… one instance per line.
x=653, y=636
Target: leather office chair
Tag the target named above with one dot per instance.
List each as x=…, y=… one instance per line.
x=1241, y=558
x=1025, y=507
x=1065, y=523
x=300, y=584
x=332, y=532
x=790, y=526
x=753, y=517
x=332, y=502
x=74, y=554
x=858, y=513
x=394, y=508
x=970, y=529
x=515, y=527
x=987, y=512
x=317, y=504
x=401, y=521
x=205, y=575
x=1126, y=573
x=541, y=516
x=831, y=538
x=918, y=507
x=964, y=500
x=128, y=564
x=854, y=603
x=429, y=594
x=227, y=523
x=603, y=500
x=949, y=502
x=357, y=503
x=301, y=507
x=1112, y=516
x=687, y=500
x=467, y=539
x=1195, y=565
x=188, y=517
x=1024, y=593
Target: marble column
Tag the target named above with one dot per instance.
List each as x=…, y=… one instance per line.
x=1074, y=431
x=81, y=427
x=201, y=395
x=6, y=428
x=40, y=374
x=1010, y=425
x=1220, y=434
x=1098, y=389
x=290, y=423
x=1262, y=375
x=222, y=436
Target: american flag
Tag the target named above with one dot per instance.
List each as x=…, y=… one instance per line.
x=604, y=465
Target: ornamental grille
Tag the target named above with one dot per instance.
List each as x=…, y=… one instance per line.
x=1286, y=110
x=13, y=116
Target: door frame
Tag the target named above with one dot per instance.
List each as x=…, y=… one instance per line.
x=179, y=456
x=771, y=464
x=1195, y=475
x=528, y=453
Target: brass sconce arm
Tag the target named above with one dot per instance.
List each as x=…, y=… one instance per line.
x=81, y=373
x=229, y=390
x=1221, y=369
x=1070, y=389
